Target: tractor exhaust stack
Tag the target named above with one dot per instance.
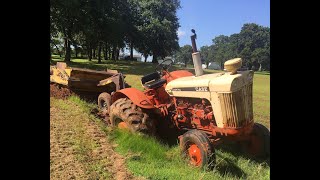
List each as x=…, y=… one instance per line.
x=196, y=56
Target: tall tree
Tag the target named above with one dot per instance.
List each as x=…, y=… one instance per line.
x=65, y=15
x=160, y=24
x=184, y=55
x=207, y=54
x=148, y=26
x=252, y=44
x=222, y=50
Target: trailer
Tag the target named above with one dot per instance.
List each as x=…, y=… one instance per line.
x=87, y=83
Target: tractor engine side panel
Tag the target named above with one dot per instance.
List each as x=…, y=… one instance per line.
x=194, y=113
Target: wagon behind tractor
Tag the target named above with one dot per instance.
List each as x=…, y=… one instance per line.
x=88, y=83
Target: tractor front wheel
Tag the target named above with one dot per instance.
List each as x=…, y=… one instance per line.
x=258, y=144
x=126, y=115
x=197, y=149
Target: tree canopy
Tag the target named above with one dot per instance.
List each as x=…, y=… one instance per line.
x=107, y=26
x=252, y=44
x=184, y=55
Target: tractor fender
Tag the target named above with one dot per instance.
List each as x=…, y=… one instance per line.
x=136, y=96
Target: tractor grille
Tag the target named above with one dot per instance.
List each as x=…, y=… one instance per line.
x=237, y=107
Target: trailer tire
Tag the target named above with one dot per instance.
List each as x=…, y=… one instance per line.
x=125, y=114
x=104, y=101
x=197, y=149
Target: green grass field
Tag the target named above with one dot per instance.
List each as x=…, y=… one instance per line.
x=152, y=159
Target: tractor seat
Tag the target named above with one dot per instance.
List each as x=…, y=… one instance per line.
x=155, y=80
x=155, y=84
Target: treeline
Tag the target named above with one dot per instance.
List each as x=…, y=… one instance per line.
x=252, y=44
x=99, y=28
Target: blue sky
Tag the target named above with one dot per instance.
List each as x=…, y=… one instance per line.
x=211, y=18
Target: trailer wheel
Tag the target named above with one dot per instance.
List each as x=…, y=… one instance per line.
x=258, y=144
x=104, y=101
x=197, y=149
x=125, y=114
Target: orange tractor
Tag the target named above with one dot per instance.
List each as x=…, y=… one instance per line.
x=208, y=108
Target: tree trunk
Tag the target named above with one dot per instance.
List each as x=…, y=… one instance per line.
x=154, y=58
x=94, y=53
x=67, y=57
x=56, y=48
x=113, y=53
x=109, y=53
x=131, y=50
x=260, y=67
x=76, y=50
x=65, y=47
x=89, y=53
x=117, y=53
x=99, y=53
x=106, y=52
x=145, y=58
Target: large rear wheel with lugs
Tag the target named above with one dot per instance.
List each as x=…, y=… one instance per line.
x=197, y=149
x=125, y=114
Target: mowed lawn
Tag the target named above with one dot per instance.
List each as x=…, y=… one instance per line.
x=152, y=159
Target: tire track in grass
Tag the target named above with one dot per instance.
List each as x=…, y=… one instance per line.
x=79, y=149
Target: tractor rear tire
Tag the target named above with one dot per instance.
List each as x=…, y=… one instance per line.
x=258, y=144
x=104, y=101
x=197, y=149
x=125, y=114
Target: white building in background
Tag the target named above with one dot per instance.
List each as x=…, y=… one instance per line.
x=136, y=54
x=214, y=65
x=125, y=56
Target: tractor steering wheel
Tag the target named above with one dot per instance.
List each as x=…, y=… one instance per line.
x=164, y=65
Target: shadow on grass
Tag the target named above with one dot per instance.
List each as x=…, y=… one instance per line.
x=125, y=67
x=236, y=150
x=227, y=166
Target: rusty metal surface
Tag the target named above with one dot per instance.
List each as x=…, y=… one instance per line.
x=87, y=80
x=136, y=96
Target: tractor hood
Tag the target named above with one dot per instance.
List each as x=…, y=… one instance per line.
x=218, y=82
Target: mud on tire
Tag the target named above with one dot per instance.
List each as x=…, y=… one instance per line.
x=104, y=100
x=124, y=110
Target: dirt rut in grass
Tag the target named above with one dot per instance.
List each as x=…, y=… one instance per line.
x=79, y=149
x=59, y=92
